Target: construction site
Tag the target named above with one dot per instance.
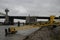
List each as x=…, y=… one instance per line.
x=49, y=30
x=29, y=19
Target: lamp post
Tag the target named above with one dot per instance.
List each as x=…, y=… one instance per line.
x=6, y=16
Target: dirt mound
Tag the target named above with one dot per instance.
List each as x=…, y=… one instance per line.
x=45, y=34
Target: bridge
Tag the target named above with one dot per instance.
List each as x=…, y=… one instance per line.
x=24, y=17
x=11, y=18
x=29, y=19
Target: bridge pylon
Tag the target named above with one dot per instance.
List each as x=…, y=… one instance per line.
x=6, y=17
x=31, y=19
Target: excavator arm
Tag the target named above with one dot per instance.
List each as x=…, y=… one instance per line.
x=51, y=22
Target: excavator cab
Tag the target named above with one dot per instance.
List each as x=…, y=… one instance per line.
x=52, y=19
x=10, y=30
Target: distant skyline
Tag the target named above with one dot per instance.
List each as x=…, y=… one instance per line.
x=32, y=7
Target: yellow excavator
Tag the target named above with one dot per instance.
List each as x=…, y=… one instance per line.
x=51, y=22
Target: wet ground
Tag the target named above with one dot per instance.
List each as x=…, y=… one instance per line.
x=21, y=34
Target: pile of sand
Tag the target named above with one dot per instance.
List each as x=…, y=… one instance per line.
x=45, y=34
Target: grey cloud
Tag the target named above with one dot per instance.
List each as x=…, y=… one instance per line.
x=33, y=7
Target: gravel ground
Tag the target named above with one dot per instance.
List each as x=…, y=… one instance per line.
x=45, y=34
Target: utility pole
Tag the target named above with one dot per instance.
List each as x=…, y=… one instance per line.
x=6, y=16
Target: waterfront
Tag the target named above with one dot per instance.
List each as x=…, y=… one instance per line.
x=18, y=36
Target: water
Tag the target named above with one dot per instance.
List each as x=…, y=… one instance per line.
x=18, y=36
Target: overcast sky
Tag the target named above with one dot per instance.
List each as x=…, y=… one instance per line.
x=32, y=7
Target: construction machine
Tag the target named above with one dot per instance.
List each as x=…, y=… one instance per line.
x=51, y=22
